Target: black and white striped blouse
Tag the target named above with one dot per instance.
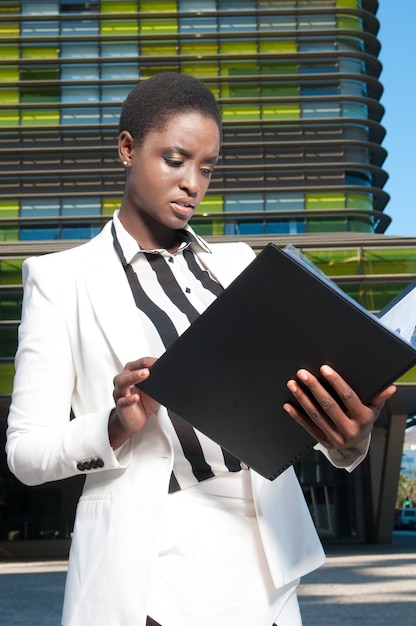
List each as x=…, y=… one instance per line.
x=171, y=291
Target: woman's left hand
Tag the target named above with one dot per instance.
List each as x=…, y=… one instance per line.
x=329, y=423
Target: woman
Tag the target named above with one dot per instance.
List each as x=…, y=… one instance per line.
x=170, y=529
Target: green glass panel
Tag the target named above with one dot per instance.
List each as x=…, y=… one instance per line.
x=321, y=225
x=352, y=4
x=409, y=377
x=38, y=117
x=208, y=227
x=377, y=295
x=8, y=233
x=9, y=96
x=39, y=73
x=156, y=68
x=114, y=6
x=109, y=205
x=281, y=111
x=395, y=261
x=9, y=117
x=284, y=91
x=39, y=94
x=39, y=52
x=277, y=67
x=198, y=47
x=119, y=27
x=336, y=262
x=210, y=204
x=6, y=378
x=329, y=201
x=349, y=22
x=9, y=72
x=360, y=225
x=158, y=48
x=9, y=208
x=361, y=201
x=9, y=29
x=158, y=24
x=10, y=305
x=199, y=68
x=242, y=112
x=8, y=341
x=238, y=89
x=161, y=27
x=282, y=47
x=234, y=46
x=160, y=6
x=11, y=271
x=9, y=52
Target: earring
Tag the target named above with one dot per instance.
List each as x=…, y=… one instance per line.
x=125, y=163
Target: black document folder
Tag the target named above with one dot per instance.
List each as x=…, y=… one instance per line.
x=227, y=374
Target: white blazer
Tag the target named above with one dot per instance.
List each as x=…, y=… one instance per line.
x=79, y=328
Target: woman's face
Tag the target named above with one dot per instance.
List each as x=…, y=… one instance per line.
x=167, y=177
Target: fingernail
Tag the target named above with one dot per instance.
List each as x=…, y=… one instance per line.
x=303, y=375
x=292, y=386
x=325, y=369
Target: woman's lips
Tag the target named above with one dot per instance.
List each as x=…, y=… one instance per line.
x=182, y=208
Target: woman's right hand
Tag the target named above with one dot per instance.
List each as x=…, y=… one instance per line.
x=132, y=406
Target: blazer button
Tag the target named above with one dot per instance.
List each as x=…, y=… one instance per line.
x=87, y=465
x=81, y=466
x=100, y=463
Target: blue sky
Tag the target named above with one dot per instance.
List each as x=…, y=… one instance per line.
x=397, y=36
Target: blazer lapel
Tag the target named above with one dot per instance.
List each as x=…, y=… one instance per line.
x=112, y=300
x=225, y=262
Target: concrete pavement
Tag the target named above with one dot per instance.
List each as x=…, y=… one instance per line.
x=363, y=585
x=360, y=585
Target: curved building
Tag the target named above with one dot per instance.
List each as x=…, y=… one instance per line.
x=298, y=82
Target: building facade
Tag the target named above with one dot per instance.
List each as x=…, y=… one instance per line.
x=302, y=161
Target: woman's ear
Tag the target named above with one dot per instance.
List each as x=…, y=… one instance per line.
x=125, y=147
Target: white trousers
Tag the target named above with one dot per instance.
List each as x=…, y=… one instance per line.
x=212, y=569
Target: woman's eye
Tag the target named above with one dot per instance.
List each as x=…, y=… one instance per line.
x=173, y=162
x=206, y=171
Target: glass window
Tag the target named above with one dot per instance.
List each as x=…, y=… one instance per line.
x=349, y=22
x=395, y=261
x=10, y=304
x=109, y=205
x=6, y=378
x=317, y=110
x=38, y=230
x=235, y=22
x=78, y=6
x=201, y=24
x=79, y=49
x=82, y=27
x=8, y=340
x=29, y=7
x=244, y=226
x=10, y=271
x=209, y=226
x=49, y=28
x=80, y=207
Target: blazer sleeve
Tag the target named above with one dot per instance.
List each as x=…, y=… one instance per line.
x=43, y=442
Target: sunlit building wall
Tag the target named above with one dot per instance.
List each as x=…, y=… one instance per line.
x=298, y=86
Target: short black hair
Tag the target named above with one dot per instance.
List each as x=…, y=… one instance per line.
x=149, y=105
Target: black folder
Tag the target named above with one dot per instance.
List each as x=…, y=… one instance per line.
x=226, y=375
